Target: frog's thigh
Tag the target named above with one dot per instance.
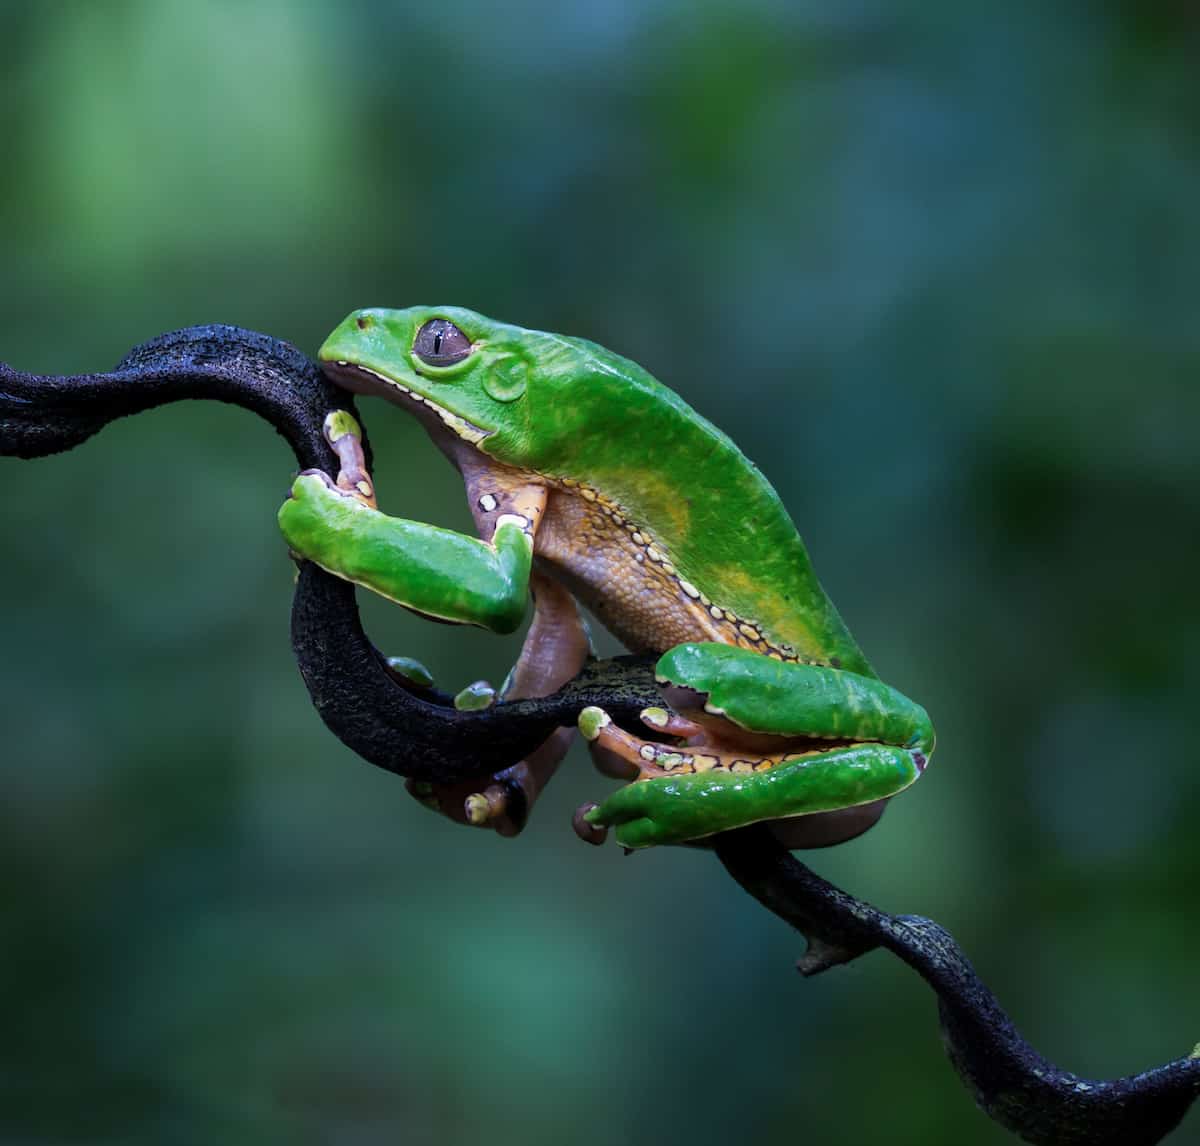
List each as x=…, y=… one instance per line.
x=761, y=694
x=433, y=571
x=556, y=646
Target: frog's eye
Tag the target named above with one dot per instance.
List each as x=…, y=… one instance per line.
x=441, y=343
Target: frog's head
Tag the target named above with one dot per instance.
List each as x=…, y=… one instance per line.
x=517, y=394
x=470, y=371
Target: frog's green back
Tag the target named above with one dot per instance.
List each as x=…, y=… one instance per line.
x=602, y=420
x=568, y=408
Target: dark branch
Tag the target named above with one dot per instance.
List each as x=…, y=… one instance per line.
x=44, y=414
x=1012, y=1082
x=418, y=734
x=422, y=736
x=415, y=733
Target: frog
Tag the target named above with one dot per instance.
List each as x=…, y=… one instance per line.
x=593, y=486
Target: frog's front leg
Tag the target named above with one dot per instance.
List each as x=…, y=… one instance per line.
x=765, y=740
x=435, y=572
x=456, y=578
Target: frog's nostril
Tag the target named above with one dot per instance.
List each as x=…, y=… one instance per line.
x=362, y=322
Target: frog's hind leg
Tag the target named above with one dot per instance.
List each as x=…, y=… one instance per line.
x=758, y=694
x=757, y=739
x=689, y=792
x=555, y=649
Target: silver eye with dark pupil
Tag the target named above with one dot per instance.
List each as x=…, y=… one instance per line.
x=441, y=343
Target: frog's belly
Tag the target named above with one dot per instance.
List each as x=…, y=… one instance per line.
x=615, y=570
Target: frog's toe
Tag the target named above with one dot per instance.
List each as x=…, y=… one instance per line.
x=411, y=671
x=632, y=812
x=624, y=811
x=667, y=722
x=624, y=804
x=641, y=833
x=614, y=752
x=344, y=435
x=476, y=696
x=310, y=485
x=338, y=424
x=584, y=828
x=620, y=754
x=592, y=722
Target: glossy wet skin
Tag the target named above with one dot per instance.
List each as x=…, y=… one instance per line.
x=575, y=458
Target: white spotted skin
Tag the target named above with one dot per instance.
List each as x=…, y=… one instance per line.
x=639, y=602
x=522, y=523
x=618, y=570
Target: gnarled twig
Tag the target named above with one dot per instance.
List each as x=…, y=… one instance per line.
x=424, y=737
x=1012, y=1082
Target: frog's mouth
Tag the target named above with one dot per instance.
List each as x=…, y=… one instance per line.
x=363, y=380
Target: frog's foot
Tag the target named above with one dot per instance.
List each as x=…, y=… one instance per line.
x=503, y=801
x=353, y=481
x=476, y=696
x=411, y=672
x=584, y=828
x=618, y=754
x=621, y=754
x=555, y=649
x=344, y=434
x=684, y=792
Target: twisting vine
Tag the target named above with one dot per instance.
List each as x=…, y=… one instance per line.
x=426, y=738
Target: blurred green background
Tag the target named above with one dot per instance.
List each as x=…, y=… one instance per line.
x=933, y=266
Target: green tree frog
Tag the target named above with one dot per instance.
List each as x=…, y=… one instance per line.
x=590, y=482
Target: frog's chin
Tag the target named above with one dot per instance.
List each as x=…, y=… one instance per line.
x=363, y=380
